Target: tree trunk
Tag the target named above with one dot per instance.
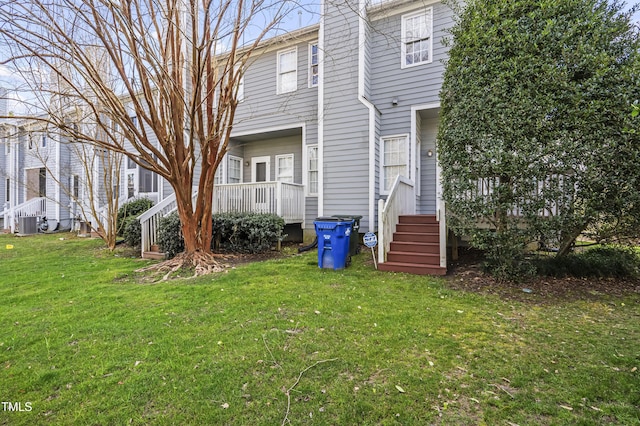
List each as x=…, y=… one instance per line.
x=569, y=238
x=197, y=227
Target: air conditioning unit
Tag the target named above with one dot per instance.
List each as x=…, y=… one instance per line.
x=27, y=225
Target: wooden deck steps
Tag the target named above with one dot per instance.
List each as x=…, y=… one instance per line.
x=415, y=248
x=154, y=253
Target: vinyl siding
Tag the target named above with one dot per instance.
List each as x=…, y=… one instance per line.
x=346, y=119
x=262, y=108
x=411, y=87
x=271, y=148
x=417, y=85
x=428, y=132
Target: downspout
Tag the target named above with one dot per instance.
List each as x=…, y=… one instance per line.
x=372, y=111
x=321, y=111
x=59, y=179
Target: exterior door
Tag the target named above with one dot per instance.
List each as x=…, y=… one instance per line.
x=261, y=172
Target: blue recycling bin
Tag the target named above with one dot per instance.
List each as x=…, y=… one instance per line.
x=333, y=242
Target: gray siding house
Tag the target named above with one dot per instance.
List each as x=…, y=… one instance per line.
x=336, y=118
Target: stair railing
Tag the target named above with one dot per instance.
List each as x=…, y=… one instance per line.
x=400, y=201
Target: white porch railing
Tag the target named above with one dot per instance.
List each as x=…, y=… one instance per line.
x=283, y=199
x=401, y=201
x=150, y=220
x=33, y=207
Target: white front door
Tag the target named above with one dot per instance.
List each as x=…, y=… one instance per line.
x=260, y=169
x=261, y=172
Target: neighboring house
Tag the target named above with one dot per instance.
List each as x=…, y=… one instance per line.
x=332, y=119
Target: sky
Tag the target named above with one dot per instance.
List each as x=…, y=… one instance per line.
x=305, y=15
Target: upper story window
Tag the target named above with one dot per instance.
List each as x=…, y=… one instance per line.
x=288, y=70
x=313, y=65
x=43, y=140
x=240, y=94
x=417, y=31
x=395, y=160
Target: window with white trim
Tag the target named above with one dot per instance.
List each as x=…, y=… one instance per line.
x=234, y=169
x=218, y=178
x=75, y=189
x=284, y=168
x=395, y=160
x=7, y=197
x=240, y=95
x=417, y=31
x=313, y=64
x=288, y=70
x=312, y=170
x=43, y=140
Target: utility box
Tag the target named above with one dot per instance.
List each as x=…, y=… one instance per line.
x=333, y=242
x=27, y=225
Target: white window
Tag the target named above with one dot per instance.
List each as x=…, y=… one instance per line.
x=218, y=179
x=43, y=140
x=284, y=168
x=7, y=146
x=234, y=165
x=288, y=70
x=229, y=170
x=313, y=65
x=7, y=197
x=131, y=164
x=240, y=95
x=395, y=156
x=312, y=170
x=75, y=188
x=417, y=29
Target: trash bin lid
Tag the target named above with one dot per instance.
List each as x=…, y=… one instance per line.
x=328, y=219
x=348, y=216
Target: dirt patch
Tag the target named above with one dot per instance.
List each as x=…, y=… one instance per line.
x=466, y=274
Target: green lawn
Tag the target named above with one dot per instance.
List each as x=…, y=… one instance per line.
x=81, y=342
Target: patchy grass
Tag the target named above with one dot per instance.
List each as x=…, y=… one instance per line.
x=281, y=340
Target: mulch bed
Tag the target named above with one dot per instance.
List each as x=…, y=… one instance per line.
x=466, y=274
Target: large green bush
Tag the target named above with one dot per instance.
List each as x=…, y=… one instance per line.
x=232, y=232
x=132, y=231
x=132, y=208
x=246, y=232
x=534, y=103
x=170, y=235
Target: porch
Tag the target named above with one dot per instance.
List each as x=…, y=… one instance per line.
x=35, y=207
x=281, y=198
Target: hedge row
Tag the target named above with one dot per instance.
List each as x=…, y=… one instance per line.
x=128, y=223
x=232, y=232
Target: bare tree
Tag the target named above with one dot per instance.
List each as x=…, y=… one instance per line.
x=174, y=66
